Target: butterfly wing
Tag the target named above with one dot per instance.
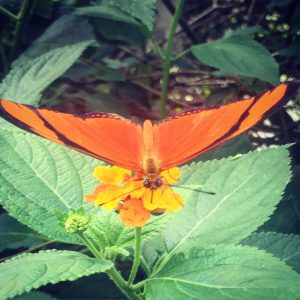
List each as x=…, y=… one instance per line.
x=108, y=137
x=183, y=137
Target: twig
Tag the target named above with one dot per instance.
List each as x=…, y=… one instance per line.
x=8, y=14
x=3, y=57
x=21, y=21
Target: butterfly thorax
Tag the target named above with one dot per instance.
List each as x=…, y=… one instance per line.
x=152, y=181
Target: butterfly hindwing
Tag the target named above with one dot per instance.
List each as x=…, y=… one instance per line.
x=108, y=137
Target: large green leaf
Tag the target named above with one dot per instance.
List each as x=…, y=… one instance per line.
x=60, y=35
x=28, y=78
x=112, y=24
x=142, y=10
x=38, y=177
x=107, y=12
x=246, y=189
x=284, y=246
x=240, y=55
x=224, y=272
x=14, y=235
x=30, y=271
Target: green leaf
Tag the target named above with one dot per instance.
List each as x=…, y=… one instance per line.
x=14, y=235
x=39, y=177
x=107, y=229
x=246, y=189
x=224, y=272
x=239, y=55
x=234, y=147
x=107, y=12
x=28, y=78
x=284, y=246
x=245, y=31
x=286, y=216
x=60, y=33
x=112, y=24
x=142, y=10
x=113, y=31
x=30, y=271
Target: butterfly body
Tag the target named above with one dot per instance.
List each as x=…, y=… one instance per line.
x=151, y=163
x=152, y=148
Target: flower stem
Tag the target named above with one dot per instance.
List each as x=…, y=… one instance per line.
x=112, y=273
x=137, y=255
x=168, y=58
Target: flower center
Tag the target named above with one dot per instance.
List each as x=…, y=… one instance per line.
x=152, y=182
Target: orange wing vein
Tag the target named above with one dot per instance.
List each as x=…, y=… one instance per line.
x=185, y=136
x=108, y=137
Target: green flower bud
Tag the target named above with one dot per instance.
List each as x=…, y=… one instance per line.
x=76, y=223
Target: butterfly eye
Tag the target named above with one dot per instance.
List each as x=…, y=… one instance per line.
x=146, y=182
x=158, y=182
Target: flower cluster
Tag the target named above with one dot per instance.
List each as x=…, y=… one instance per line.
x=126, y=192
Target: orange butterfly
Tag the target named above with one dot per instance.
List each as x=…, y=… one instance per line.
x=150, y=148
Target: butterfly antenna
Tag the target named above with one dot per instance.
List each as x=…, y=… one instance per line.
x=192, y=189
x=122, y=195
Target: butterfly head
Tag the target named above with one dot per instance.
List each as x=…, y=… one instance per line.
x=152, y=181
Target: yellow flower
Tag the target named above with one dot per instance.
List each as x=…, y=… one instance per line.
x=134, y=195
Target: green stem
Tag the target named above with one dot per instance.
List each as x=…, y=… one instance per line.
x=113, y=273
x=157, y=49
x=8, y=14
x=122, y=285
x=137, y=255
x=139, y=285
x=21, y=20
x=167, y=60
x=89, y=245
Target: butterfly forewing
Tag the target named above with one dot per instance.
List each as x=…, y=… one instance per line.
x=108, y=137
x=183, y=137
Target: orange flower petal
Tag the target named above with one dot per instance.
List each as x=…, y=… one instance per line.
x=133, y=213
